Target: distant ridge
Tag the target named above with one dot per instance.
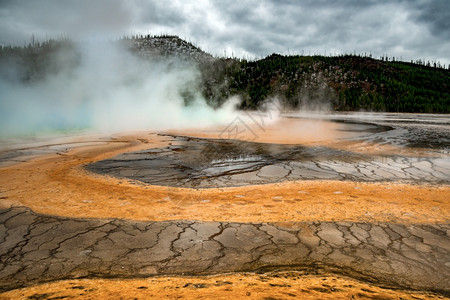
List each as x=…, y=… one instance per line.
x=342, y=83
x=166, y=46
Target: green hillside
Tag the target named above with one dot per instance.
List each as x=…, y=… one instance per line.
x=339, y=83
x=342, y=83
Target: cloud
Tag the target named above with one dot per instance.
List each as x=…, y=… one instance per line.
x=50, y=18
x=407, y=29
x=380, y=27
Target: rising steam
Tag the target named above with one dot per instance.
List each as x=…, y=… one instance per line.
x=107, y=89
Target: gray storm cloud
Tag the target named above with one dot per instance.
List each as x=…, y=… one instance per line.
x=405, y=29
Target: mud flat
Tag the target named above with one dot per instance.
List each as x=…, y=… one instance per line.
x=362, y=205
x=267, y=285
x=40, y=248
x=205, y=163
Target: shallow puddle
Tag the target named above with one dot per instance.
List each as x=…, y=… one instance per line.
x=205, y=163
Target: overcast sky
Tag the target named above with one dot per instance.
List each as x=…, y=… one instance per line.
x=406, y=29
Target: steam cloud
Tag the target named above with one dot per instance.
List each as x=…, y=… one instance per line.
x=108, y=90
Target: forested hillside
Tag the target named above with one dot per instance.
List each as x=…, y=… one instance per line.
x=343, y=83
x=351, y=82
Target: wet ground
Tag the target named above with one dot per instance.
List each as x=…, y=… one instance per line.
x=38, y=248
x=424, y=131
x=364, y=197
x=13, y=151
x=204, y=163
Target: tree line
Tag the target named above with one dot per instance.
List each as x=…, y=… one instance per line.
x=344, y=82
